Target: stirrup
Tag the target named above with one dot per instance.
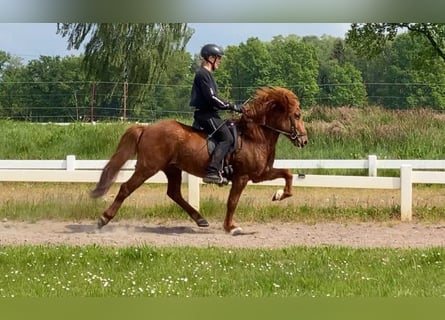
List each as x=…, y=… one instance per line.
x=215, y=179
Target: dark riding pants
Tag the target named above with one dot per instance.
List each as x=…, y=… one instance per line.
x=219, y=130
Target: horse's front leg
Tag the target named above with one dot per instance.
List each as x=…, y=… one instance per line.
x=286, y=174
x=238, y=185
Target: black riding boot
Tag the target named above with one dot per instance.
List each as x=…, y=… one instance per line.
x=214, y=169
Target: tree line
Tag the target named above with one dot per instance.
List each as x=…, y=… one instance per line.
x=142, y=71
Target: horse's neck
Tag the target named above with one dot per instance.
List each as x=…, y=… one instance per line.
x=260, y=135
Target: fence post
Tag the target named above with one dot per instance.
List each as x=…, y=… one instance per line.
x=193, y=190
x=70, y=163
x=406, y=192
x=372, y=165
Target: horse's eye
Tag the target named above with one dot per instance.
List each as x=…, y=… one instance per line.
x=297, y=116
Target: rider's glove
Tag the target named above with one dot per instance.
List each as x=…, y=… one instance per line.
x=237, y=107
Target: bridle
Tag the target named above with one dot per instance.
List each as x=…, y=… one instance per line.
x=293, y=134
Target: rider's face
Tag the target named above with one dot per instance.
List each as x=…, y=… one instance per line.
x=217, y=61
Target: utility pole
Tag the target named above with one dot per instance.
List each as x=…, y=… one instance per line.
x=76, y=105
x=92, y=101
x=124, y=100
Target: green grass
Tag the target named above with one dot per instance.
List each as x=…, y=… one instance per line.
x=80, y=208
x=71, y=201
x=91, y=271
x=334, y=133
x=24, y=140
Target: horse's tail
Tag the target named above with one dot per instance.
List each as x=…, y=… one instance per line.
x=126, y=148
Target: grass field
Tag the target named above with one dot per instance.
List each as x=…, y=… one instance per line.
x=91, y=271
x=341, y=133
x=144, y=271
x=333, y=133
x=31, y=201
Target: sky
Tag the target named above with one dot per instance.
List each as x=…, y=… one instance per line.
x=31, y=40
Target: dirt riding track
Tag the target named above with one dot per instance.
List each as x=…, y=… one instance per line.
x=183, y=233
x=123, y=232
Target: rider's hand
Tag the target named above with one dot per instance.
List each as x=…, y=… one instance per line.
x=237, y=108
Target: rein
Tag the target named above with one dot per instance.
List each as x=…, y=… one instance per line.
x=293, y=134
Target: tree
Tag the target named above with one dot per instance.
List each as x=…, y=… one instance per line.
x=402, y=63
x=4, y=61
x=419, y=82
x=172, y=96
x=339, y=80
x=295, y=65
x=284, y=61
x=343, y=86
x=11, y=72
x=53, y=85
x=48, y=89
x=245, y=68
x=402, y=76
x=369, y=39
x=137, y=53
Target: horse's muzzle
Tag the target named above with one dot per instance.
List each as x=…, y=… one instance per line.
x=300, y=141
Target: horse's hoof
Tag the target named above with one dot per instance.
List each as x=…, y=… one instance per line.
x=202, y=223
x=278, y=194
x=236, y=231
x=96, y=193
x=102, y=222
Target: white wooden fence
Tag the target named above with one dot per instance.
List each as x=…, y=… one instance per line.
x=411, y=172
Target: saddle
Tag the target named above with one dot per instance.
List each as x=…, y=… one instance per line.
x=227, y=169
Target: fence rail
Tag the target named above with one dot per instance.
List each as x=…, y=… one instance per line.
x=73, y=170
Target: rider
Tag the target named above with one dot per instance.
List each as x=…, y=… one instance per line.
x=204, y=97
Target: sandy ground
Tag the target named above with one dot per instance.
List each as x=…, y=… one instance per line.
x=183, y=233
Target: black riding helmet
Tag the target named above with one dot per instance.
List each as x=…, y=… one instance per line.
x=211, y=50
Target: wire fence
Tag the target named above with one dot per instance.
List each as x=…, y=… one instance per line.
x=88, y=101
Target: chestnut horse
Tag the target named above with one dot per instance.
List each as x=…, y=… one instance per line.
x=173, y=147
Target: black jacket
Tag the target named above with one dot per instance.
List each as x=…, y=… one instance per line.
x=204, y=96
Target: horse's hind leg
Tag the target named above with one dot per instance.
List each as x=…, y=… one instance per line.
x=135, y=181
x=174, y=177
